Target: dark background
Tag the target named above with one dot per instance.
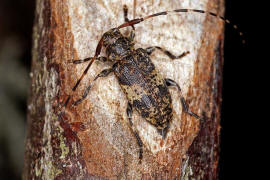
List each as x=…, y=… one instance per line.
x=237, y=155
x=16, y=21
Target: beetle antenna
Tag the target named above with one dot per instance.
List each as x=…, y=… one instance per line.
x=138, y=20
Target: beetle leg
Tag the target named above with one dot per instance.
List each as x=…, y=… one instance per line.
x=132, y=32
x=139, y=141
x=163, y=132
x=132, y=35
x=170, y=82
x=125, y=9
x=79, y=61
x=151, y=49
x=103, y=73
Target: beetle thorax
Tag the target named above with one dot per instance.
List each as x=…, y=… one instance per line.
x=117, y=46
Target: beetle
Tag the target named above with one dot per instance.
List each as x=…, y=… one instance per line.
x=146, y=90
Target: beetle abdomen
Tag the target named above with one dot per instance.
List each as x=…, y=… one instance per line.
x=145, y=89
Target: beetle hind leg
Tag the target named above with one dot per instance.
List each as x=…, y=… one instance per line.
x=139, y=141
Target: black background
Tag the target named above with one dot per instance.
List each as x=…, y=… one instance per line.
x=237, y=140
x=238, y=129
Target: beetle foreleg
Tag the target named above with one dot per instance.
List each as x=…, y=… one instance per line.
x=170, y=82
x=79, y=61
x=103, y=73
x=151, y=49
x=139, y=141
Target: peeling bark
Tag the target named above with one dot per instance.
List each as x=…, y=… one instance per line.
x=92, y=140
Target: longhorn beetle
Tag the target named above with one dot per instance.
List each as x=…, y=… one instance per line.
x=146, y=90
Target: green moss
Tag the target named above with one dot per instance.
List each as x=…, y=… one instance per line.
x=38, y=172
x=53, y=171
x=64, y=148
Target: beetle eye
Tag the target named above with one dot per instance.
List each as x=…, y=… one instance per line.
x=115, y=32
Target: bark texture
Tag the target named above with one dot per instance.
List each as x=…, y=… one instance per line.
x=92, y=140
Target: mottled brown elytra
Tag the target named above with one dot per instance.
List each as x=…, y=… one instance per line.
x=146, y=90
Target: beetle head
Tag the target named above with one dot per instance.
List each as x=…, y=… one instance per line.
x=117, y=46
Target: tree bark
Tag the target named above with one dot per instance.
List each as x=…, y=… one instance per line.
x=92, y=140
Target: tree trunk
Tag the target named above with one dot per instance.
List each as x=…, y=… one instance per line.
x=92, y=140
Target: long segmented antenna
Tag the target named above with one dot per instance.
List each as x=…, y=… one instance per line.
x=139, y=20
